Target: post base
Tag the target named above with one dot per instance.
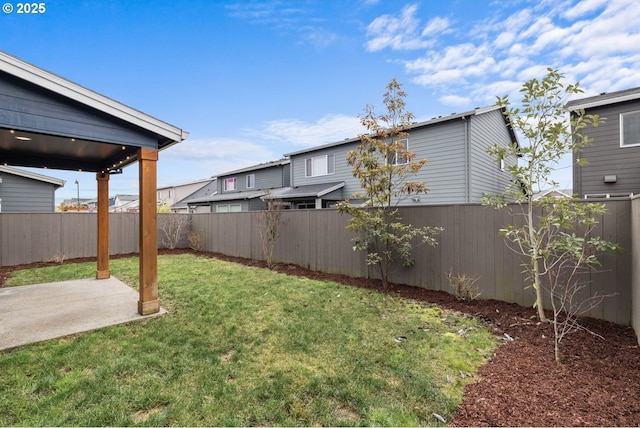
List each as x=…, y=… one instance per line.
x=148, y=308
x=103, y=274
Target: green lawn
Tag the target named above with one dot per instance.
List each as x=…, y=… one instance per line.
x=246, y=346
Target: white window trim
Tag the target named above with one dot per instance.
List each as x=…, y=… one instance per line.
x=406, y=146
x=622, y=145
x=226, y=180
x=251, y=177
x=331, y=166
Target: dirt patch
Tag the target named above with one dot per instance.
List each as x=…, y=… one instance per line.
x=598, y=383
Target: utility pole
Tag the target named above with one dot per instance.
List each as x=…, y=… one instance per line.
x=78, y=200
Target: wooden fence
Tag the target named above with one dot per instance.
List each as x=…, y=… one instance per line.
x=318, y=240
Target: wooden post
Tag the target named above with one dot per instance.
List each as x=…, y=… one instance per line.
x=148, y=303
x=102, y=271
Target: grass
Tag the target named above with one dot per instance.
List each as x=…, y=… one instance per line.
x=245, y=346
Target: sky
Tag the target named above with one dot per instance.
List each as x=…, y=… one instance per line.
x=253, y=80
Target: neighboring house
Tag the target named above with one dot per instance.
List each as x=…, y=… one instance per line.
x=169, y=195
x=243, y=189
x=24, y=191
x=556, y=193
x=209, y=189
x=458, y=170
x=613, y=158
x=124, y=204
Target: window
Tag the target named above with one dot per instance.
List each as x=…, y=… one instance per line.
x=630, y=129
x=229, y=184
x=319, y=165
x=251, y=181
x=231, y=208
x=397, y=158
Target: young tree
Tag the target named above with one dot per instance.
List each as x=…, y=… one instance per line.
x=382, y=163
x=542, y=125
x=568, y=253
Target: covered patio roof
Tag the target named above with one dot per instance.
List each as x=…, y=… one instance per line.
x=47, y=121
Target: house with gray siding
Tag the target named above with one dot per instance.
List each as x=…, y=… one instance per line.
x=613, y=168
x=244, y=189
x=458, y=170
x=24, y=191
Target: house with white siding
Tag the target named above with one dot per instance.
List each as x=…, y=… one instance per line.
x=458, y=170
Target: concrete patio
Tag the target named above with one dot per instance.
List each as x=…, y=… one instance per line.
x=33, y=313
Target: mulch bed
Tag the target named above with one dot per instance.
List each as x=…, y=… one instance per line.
x=597, y=384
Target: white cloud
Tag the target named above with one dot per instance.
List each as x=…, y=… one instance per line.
x=593, y=41
x=583, y=7
x=399, y=33
x=436, y=26
x=327, y=129
x=454, y=100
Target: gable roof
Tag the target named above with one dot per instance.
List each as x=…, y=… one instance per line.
x=208, y=189
x=605, y=99
x=50, y=122
x=432, y=121
x=306, y=191
x=32, y=175
x=280, y=162
x=59, y=85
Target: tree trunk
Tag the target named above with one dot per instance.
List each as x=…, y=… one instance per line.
x=535, y=256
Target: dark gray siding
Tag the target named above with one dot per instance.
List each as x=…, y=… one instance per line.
x=342, y=170
x=21, y=194
x=486, y=130
x=265, y=178
x=606, y=157
x=26, y=107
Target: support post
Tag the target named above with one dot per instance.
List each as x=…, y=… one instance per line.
x=102, y=271
x=148, y=303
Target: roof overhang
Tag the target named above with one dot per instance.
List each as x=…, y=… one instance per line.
x=112, y=136
x=604, y=99
x=32, y=175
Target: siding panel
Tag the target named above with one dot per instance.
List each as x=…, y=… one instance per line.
x=606, y=157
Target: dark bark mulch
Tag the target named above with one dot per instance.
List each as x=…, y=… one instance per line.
x=597, y=384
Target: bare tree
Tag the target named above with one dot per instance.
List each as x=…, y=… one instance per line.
x=269, y=228
x=174, y=226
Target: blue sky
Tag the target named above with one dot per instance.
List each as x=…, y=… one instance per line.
x=252, y=80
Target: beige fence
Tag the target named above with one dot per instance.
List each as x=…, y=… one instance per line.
x=317, y=239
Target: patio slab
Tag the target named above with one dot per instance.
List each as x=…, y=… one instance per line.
x=33, y=313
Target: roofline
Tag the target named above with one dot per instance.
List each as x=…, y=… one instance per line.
x=32, y=175
x=264, y=165
x=429, y=122
x=331, y=189
x=29, y=72
x=188, y=183
x=604, y=99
